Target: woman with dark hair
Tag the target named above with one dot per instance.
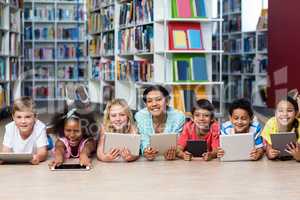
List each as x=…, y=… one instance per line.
x=157, y=118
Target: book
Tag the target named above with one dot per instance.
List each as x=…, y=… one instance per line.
x=179, y=39
x=194, y=39
x=183, y=70
x=184, y=8
x=189, y=100
x=199, y=68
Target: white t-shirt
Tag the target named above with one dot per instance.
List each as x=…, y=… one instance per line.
x=37, y=139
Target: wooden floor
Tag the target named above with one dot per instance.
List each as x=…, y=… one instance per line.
x=155, y=180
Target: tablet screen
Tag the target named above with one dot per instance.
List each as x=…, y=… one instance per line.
x=70, y=167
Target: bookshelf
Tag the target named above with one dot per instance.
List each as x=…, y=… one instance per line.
x=146, y=54
x=55, y=47
x=10, y=54
x=245, y=55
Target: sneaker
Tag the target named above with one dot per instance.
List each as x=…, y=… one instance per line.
x=70, y=94
x=82, y=94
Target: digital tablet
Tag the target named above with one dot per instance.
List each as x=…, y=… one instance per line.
x=280, y=140
x=196, y=147
x=237, y=147
x=163, y=142
x=70, y=167
x=16, y=157
x=122, y=140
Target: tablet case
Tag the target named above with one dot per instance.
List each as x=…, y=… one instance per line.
x=196, y=147
x=279, y=142
x=16, y=157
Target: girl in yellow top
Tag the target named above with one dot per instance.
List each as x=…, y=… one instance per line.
x=284, y=121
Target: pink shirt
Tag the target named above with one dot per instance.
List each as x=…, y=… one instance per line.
x=189, y=133
x=68, y=153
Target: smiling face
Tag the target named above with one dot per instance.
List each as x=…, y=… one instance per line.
x=240, y=120
x=72, y=131
x=24, y=121
x=285, y=113
x=156, y=103
x=202, y=119
x=118, y=117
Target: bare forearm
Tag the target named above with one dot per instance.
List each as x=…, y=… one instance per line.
x=89, y=148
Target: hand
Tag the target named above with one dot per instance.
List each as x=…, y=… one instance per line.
x=35, y=160
x=126, y=155
x=170, y=154
x=112, y=155
x=56, y=162
x=187, y=156
x=220, y=152
x=294, y=150
x=255, y=154
x=150, y=153
x=84, y=160
x=272, y=153
x=207, y=156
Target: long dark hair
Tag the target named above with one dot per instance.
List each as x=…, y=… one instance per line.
x=295, y=123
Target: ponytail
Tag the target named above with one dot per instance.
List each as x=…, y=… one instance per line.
x=295, y=125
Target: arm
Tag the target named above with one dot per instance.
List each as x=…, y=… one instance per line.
x=294, y=150
x=257, y=154
x=112, y=155
x=271, y=153
x=40, y=156
x=85, y=154
x=58, y=154
x=185, y=155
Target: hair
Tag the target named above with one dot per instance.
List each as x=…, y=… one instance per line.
x=87, y=122
x=159, y=88
x=241, y=104
x=204, y=104
x=24, y=104
x=295, y=123
x=106, y=120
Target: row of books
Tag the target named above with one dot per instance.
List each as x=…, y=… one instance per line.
x=2, y=12
x=231, y=6
x=263, y=20
x=126, y=41
x=135, y=70
x=249, y=43
x=42, y=33
x=45, y=71
x=188, y=8
x=103, y=69
x=233, y=45
x=185, y=97
x=3, y=96
x=16, y=3
x=14, y=21
x=70, y=33
x=249, y=84
x=75, y=12
x=2, y=69
x=184, y=36
x=103, y=45
x=96, y=4
x=262, y=42
x=70, y=71
x=49, y=13
x=189, y=68
x=232, y=25
x=143, y=11
x=101, y=21
x=2, y=42
x=14, y=44
x=43, y=91
x=263, y=64
x=144, y=38
x=14, y=69
x=66, y=51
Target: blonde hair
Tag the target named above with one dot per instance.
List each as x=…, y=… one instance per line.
x=106, y=120
x=23, y=104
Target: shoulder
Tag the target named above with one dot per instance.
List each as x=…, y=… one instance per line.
x=226, y=127
x=175, y=114
x=215, y=128
x=10, y=125
x=141, y=114
x=39, y=126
